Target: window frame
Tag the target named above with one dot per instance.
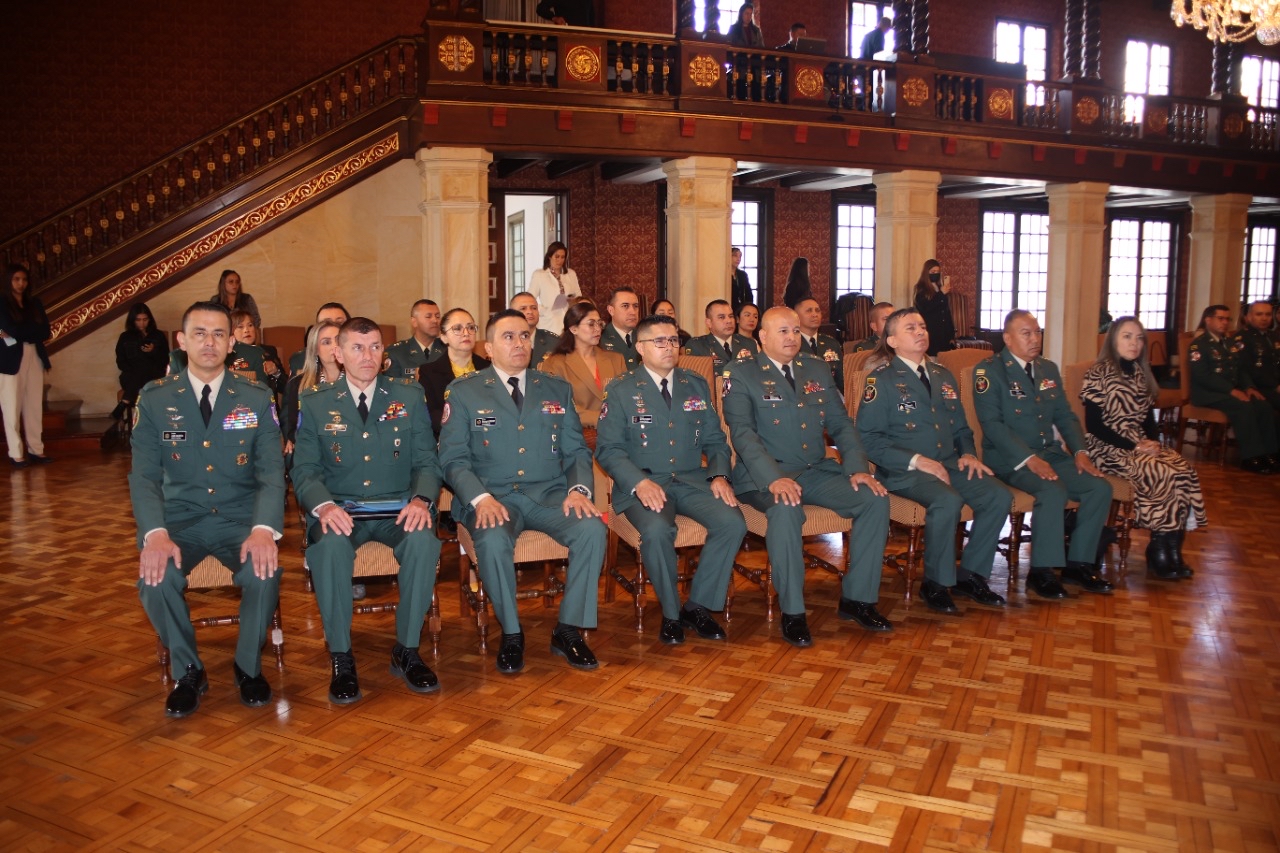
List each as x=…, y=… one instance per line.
x=1018, y=210
x=839, y=199
x=1135, y=101
x=1175, y=223
x=762, y=282
x=882, y=10
x=723, y=9
x=1246, y=258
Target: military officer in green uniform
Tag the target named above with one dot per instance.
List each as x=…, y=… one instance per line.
x=332, y=311
x=1020, y=402
x=1259, y=352
x=655, y=426
x=423, y=346
x=915, y=430
x=620, y=333
x=721, y=342
x=543, y=341
x=512, y=450
x=823, y=347
x=365, y=443
x=207, y=478
x=778, y=404
x=1217, y=381
x=875, y=319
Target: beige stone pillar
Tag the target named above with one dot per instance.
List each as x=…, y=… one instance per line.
x=1077, y=220
x=455, y=227
x=699, y=207
x=1218, y=225
x=906, y=231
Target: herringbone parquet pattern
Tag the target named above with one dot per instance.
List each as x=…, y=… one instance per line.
x=1145, y=721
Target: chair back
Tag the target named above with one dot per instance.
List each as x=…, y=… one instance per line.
x=855, y=381
x=959, y=304
x=286, y=339
x=704, y=366
x=1072, y=382
x=853, y=363
x=857, y=320
x=965, y=378
x=957, y=360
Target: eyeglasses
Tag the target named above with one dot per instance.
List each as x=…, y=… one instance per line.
x=592, y=324
x=458, y=328
x=661, y=343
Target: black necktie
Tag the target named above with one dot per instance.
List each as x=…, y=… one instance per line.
x=516, y=396
x=813, y=345
x=791, y=380
x=666, y=393
x=363, y=408
x=629, y=344
x=206, y=407
x=925, y=379
x=1030, y=374
x=728, y=353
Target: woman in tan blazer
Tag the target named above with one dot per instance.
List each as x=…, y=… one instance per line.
x=580, y=360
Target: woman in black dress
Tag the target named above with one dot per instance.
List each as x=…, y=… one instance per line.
x=142, y=354
x=798, y=286
x=931, y=301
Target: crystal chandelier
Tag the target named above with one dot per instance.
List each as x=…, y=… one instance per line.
x=1231, y=20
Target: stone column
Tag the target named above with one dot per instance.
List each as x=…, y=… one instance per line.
x=1077, y=220
x=1218, y=225
x=455, y=227
x=699, y=208
x=906, y=231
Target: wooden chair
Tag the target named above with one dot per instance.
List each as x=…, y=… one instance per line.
x=1212, y=425
x=532, y=546
x=857, y=320
x=212, y=574
x=704, y=366
x=854, y=362
x=286, y=339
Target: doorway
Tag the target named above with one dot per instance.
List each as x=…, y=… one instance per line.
x=522, y=223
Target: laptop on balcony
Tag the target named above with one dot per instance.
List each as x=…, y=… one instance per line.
x=808, y=45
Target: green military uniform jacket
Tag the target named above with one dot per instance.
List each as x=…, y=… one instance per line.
x=1017, y=419
x=898, y=418
x=832, y=352
x=250, y=358
x=543, y=343
x=867, y=344
x=184, y=471
x=778, y=431
x=614, y=342
x=1259, y=357
x=407, y=356
x=339, y=457
x=1215, y=370
x=488, y=445
x=640, y=438
x=742, y=346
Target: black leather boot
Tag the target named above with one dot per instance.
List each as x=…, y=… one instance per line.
x=1184, y=571
x=1160, y=562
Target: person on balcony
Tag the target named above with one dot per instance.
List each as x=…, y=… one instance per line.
x=873, y=42
x=231, y=296
x=568, y=13
x=579, y=360
x=931, y=301
x=746, y=32
x=555, y=286
x=798, y=31
x=142, y=354
x=24, y=327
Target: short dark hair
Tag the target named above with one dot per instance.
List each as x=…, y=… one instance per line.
x=412, y=308
x=1015, y=314
x=357, y=326
x=338, y=305
x=504, y=314
x=215, y=307
x=516, y=296
x=444, y=320
x=798, y=26
x=712, y=304
x=804, y=299
x=616, y=291
x=655, y=320
x=880, y=305
x=1210, y=311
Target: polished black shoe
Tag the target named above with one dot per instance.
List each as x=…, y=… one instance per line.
x=700, y=619
x=511, y=653
x=185, y=698
x=795, y=630
x=672, y=632
x=38, y=459
x=1160, y=564
x=1086, y=576
x=975, y=587
x=358, y=592
x=936, y=597
x=344, y=688
x=864, y=613
x=17, y=463
x=406, y=664
x=1175, y=554
x=1046, y=585
x=568, y=644
x=254, y=689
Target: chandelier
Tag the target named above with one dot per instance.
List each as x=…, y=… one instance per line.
x=1231, y=20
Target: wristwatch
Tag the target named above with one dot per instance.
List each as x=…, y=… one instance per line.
x=426, y=500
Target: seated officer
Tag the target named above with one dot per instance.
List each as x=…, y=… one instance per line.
x=1217, y=381
x=543, y=341
x=824, y=347
x=619, y=333
x=875, y=319
x=422, y=347
x=368, y=438
x=207, y=478
x=332, y=311
x=655, y=425
x=512, y=450
x=777, y=405
x=721, y=342
x=1020, y=403
x=1258, y=352
x=915, y=430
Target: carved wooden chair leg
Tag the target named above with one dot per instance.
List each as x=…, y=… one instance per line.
x=433, y=623
x=277, y=636
x=162, y=655
x=1015, y=543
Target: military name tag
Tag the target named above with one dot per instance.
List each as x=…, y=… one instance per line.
x=335, y=427
x=771, y=398
x=486, y=422
x=411, y=371
x=907, y=406
x=174, y=435
x=642, y=419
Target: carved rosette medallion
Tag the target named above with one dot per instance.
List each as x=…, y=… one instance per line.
x=809, y=81
x=1087, y=110
x=1157, y=120
x=456, y=53
x=1233, y=125
x=704, y=71
x=915, y=91
x=582, y=64
x=1000, y=104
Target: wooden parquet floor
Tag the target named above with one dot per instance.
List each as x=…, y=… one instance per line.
x=1144, y=721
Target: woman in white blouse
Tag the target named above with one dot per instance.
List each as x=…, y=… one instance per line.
x=555, y=286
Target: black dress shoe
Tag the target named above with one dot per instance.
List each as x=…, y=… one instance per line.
x=416, y=674
x=975, y=587
x=1046, y=585
x=38, y=459
x=568, y=644
x=672, y=632
x=936, y=597
x=864, y=613
x=511, y=653
x=795, y=630
x=344, y=688
x=700, y=619
x=1085, y=576
x=254, y=689
x=185, y=698
x=1160, y=564
x=17, y=463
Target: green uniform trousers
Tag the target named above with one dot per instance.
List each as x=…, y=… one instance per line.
x=1047, y=535
x=725, y=531
x=990, y=502
x=332, y=559
x=785, y=545
x=166, y=604
x=584, y=537
x=1254, y=424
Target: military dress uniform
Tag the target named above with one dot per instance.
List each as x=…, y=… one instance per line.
x=778, y=431
x=898, y=418
x=527, y=458
x=740, y=346
x=867, y=344
x=1259, y=356
x=1019, y=412
x=1215, y=373
x=641, y=436
x=828, y=349
x=614, y=342
x=543, y=343
x=208, y=486
x=390, y=455
x=407, y=356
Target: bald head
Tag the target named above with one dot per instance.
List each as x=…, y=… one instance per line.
x=780, y=334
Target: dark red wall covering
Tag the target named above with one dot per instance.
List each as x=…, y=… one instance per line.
x=959, y=242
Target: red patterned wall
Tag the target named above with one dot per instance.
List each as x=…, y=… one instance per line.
x=959, y=240
x=802, y=229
